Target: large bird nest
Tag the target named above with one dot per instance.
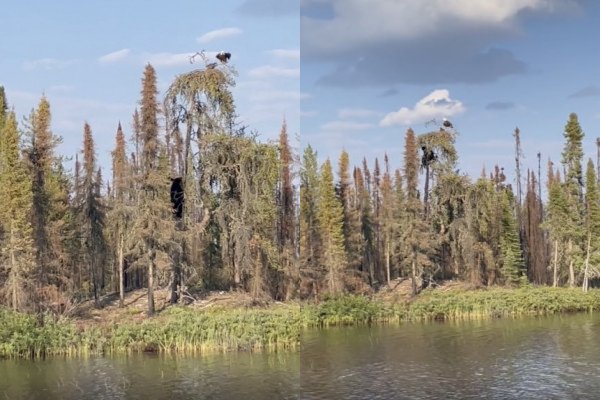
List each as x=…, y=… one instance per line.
x=441, y=142
x=212, y=83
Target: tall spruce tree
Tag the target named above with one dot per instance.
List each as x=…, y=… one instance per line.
x=153, y=223
x=330, y=216
x=592, y=226
x=510, y=245
x=91, y=217
x=309, y=231
x=17, y=252
x=573, y=186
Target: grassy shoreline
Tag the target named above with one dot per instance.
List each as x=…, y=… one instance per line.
x=189, y=330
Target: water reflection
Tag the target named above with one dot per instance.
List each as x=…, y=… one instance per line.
x=543, y=358
x=540, y=358
x=230, y=376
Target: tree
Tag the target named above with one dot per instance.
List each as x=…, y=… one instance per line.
x=309, y=232
x=287, y=214
x=350, y=198
x=416, y=239
x=153, y=223
x=592, y=226
x=387, y=218
x=510, y=245
x=330, y=216
x=17, y=255
x=91, y=216
x=50, y=210
x=573, y=186
x=536, y=256
x=557, y=219
x=120, y=213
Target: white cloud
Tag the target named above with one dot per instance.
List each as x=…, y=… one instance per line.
x=436, y=104
x=114, y=56
x=292, y=54
x=346, y=113
x=359, y=22
x=47, y=64
x=339, y=126
x=269, y=71
x=219, y=34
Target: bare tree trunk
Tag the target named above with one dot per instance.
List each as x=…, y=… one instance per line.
x=387, y=260
x=587, y=264
x=94, y=277
x=571, y=267
x=150, y=284
x=121, y=272
x=555, y=278
x=13, y=271
x=426, y=192
x=413, y=277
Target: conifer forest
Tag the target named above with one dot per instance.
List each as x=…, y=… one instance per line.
x=196, y=202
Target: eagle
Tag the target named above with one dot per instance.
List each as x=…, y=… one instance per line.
x=223, y=56
x=447, y=123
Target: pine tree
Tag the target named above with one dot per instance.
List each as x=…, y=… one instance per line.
x=510, y=245
x=557, y=220
x=415, y=240
x=120, y=213
x=309, y=232
x=50, y=211
x=364, y=186
x=387, y=218
x=536, y=256
x=41, y=156
x=399, y=218
x=153, y=224
x=17, y=255
x=572, y=159
x=287, y=214
x=91, y=216
x=592, y=226
x=351, y=204
x=330, y=216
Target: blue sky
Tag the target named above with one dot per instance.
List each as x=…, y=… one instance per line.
x=371, y=69
x=88, y=58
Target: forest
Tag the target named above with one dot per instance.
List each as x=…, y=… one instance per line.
x=195, y=202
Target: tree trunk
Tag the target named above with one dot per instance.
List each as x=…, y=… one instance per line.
x=571, y=266
x=175, y=280
x=426, y=192
x=587, y=264
x=555, y=278
x=150, y=284
x=13, y=270
x=387, y=261
x=121, y=273
x=94, y=281
x=413, y=277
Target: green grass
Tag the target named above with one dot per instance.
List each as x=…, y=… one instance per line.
x=453, y=305
x=178, y=329
x=191, y=331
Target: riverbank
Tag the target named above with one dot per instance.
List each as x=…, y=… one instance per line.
x=249, y=326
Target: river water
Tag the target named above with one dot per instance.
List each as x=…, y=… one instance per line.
x=533, y=358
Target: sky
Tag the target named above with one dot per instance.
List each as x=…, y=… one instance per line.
x=372, y=69
x=88, y=58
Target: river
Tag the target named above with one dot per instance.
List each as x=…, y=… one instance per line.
x=533, y=358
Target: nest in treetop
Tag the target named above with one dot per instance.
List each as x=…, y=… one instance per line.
x=213, y=83
x=441, y=142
